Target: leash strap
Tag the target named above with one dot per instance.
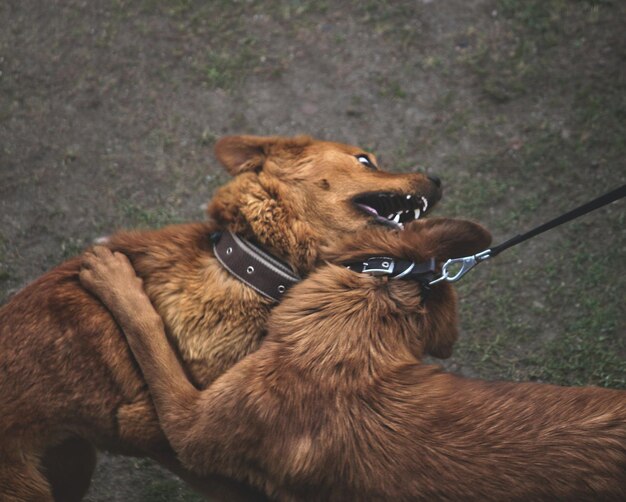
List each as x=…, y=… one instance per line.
x=463, y=265
x=253, y=266
x=603, y=200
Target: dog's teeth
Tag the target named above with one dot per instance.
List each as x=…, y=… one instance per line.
x=418, y=213
x=390, y=217
x=408, y=197
x=425, y=202
x=397, y=218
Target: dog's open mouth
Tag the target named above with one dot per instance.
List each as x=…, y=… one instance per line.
x=392, y=209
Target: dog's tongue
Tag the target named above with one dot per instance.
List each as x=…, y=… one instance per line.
x=379, y=218
x=370, y=210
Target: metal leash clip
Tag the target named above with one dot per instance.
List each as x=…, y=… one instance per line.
x=466, y=263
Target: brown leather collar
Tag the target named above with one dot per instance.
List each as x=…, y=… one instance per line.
x=253, y=266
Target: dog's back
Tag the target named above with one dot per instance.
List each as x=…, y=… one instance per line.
x=57, y=342
x=44, y=339
x=419, y=433
x=514, y=441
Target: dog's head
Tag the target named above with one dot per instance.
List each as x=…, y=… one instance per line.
x=427, y=320
x=295, y=194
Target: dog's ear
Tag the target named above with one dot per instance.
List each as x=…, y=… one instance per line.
x=445, y=238
x=239, y=154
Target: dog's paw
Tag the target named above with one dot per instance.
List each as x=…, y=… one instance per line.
x=110, y=276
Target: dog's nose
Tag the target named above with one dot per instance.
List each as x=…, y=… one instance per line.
x=436, y=180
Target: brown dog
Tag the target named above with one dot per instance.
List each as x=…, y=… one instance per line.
x=336, y=405
x=67, y=377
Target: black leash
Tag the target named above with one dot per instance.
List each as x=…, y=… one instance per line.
x=468, y=262
x=603, y=200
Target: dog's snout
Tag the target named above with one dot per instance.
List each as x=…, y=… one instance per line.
x=436, y=180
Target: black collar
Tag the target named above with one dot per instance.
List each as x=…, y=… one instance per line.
x=395, y=269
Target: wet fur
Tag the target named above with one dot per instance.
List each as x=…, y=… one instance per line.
x=336, y=404
x=68, y=381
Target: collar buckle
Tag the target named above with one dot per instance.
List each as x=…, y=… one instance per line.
x=379, y=265
x=395, y=269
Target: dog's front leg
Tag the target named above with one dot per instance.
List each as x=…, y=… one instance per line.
x=110, y=276
x=190, y=418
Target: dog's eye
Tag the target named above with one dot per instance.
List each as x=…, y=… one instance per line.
x=365, y=160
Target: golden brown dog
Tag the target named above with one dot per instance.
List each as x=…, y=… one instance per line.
x=336, y=405
x=67, y=377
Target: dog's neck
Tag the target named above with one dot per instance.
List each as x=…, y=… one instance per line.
x=260, y=214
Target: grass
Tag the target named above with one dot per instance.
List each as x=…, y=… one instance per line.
x=224, y=71
x=390, y=88
x=135, y=216
x=5, y=273
x=167, y=490
x=151, y=483
x=390, y=18
x=568, y=285
x=162, y=487
x=519, y=55
x=72, y=246
x=591, y=347
x=587, y=352
x=575, y=296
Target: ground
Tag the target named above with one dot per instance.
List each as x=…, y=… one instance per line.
x=109, y=111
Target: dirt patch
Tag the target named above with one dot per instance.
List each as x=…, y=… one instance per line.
x=108, y=113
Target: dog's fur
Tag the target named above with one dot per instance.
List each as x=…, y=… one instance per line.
x=336, y=404
x=67, y=378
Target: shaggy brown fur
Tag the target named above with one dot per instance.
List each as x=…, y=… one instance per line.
x=67, y=378
x=336, y=405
